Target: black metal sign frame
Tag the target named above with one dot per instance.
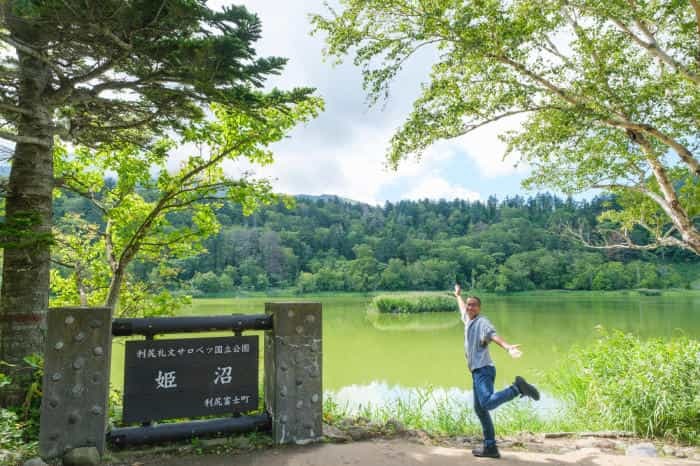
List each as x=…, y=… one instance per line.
x=167, y=432
x=176, y=378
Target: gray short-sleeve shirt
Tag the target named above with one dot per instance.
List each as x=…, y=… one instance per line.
x=478, y=333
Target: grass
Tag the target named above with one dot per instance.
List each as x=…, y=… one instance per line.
x=650, y=387
x=437, y=414
x=412, y=303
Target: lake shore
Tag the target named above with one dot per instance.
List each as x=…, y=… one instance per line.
x=292, y=294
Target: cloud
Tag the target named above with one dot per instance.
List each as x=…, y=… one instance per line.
x=485, y=148
x=343, y=151
x=435, y=187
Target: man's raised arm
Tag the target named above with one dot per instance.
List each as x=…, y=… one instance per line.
x=461, y=303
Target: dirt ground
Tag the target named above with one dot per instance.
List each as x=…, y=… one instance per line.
x=404, y=452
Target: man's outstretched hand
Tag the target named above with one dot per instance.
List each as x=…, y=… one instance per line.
x=514, y=351
x=458, y=290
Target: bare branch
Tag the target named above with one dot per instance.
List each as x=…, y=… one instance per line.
x=105, y=31
x=96, y=71
x=24, y=139
x=14, y=109
x=86, y=193
x=468, y=128
x=62, y=264
x=33, y=53
x=625, y=242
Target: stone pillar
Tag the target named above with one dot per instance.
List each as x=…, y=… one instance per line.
x=293, y=388
x=76, y=380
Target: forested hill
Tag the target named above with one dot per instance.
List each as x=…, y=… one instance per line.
x=331, y=244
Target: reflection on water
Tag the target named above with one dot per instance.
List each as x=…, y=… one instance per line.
x=428, y=322
x=360, y=399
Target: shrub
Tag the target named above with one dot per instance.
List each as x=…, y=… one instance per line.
x=413, y=303
x=649, y=387
x=19, y=425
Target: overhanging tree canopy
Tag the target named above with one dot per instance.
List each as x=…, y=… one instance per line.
x=107, y=70
x=609, y=92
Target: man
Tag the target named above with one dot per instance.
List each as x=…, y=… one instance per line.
x=478, y=333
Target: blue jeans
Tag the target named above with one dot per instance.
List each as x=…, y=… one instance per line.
x=485, y=399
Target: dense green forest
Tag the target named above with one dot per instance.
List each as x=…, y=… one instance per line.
x=328, y=243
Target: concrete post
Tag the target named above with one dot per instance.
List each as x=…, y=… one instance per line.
x=293, y=384
x=76, y=380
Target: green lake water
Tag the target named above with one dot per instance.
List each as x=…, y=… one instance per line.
x=377, y=354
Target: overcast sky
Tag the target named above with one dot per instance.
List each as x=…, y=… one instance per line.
x=342, y=152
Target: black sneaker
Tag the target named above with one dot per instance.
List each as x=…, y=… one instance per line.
x=486, y=452
x=526, y=389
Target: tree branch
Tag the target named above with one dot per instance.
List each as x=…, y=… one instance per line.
x=654, y=49
x=33, y=53
x=696, y=8
x=621, y=122
x=176, y=240
x=109, y=247
x=15, y=109
x=626, y=242
x=62, y=264
x=87, y=194
x=24, y=139
x=468, y=128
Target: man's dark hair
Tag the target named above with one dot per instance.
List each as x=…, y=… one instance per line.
x=474, y=297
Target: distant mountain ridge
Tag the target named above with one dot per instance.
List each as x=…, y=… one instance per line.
x=327, y=197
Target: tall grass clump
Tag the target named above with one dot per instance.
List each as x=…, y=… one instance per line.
x=399, y=304
x=445, y=412
x=650, y=387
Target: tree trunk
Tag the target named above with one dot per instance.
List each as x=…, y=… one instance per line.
x=25, y=274
x=115, y=286
x=690, y=236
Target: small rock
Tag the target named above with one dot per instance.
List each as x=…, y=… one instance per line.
x=35, y=462
x=620, y=445
x=394, y=425
x=359, y=433
x=668, y=450
x=240, y=442
x=374, y=426
x=681, y=453
x=585, y=443
x=642, y=449
x=334, y=434
x=6, y=456
x=212, y=442
x=464, y=440
x=346, y=423
x=530, y=437
x=83, y=456
x=604, y=443
x=305, y=441
x=420, y=436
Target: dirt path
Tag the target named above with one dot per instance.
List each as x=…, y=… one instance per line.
x=402, y=452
